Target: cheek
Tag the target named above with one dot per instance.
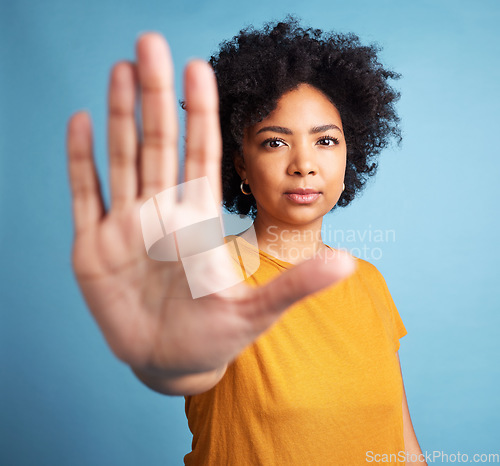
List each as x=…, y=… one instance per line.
x=334, y=166
x=265, y=172
x=262, y=183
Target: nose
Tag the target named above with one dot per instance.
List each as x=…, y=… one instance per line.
x=302, y=162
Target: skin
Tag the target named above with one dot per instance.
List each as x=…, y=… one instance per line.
x=412, y=446
x=300, y=144
x=175, y=345
x=285, y=151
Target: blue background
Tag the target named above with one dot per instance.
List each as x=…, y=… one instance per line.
x=64, y=399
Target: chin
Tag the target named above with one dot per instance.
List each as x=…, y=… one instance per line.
x=302, y=215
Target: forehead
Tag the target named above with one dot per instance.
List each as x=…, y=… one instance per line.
x=302, y=107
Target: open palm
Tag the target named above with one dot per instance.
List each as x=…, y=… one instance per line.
x=144, y=307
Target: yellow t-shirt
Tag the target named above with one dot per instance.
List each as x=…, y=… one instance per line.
x=321, y=387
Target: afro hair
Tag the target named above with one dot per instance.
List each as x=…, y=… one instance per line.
x=256, y=67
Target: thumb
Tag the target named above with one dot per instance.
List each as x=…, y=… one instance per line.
x=302, y=280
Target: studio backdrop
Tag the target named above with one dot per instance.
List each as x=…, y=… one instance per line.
x=428, y=220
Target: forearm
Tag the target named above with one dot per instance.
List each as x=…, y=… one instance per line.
x=192, y=384
x=413, y=450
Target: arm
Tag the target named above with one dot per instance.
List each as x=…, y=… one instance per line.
x=412, y=447
x=192, y=384
x=176, y=342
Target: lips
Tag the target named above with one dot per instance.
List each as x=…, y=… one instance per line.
x=302, y=195
x=303, y=191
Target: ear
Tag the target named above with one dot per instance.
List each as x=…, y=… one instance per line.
x=239, y=165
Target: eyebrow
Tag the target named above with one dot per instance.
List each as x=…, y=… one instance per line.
x=283, y=130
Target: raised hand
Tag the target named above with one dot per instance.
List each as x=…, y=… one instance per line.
x=174, y=343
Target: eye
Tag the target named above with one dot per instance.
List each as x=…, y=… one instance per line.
x=328, y=141
x=273, y=143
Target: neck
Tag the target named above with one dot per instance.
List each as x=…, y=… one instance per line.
x=289, y=243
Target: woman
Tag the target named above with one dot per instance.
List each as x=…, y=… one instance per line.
x=302, y=116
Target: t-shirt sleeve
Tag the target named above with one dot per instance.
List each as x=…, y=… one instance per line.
x=398, y=328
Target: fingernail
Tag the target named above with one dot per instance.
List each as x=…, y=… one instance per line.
x=141, y=33
x=190, y=59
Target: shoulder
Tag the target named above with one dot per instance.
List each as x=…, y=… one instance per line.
x=371, y=279
x=368, y=273
x=367, y=267
x=362, y=266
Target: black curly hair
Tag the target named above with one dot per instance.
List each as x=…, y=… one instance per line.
x=256, y=67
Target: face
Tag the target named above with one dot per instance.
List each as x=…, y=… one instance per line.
x=294, y=160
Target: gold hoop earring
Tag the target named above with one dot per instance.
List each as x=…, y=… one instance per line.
x=343, y=186
x=243, y=190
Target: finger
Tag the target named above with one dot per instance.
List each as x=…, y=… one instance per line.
x=122, y=135
x=88, y=205
x=298, y=282
x=160, y=128
x=203, y=138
